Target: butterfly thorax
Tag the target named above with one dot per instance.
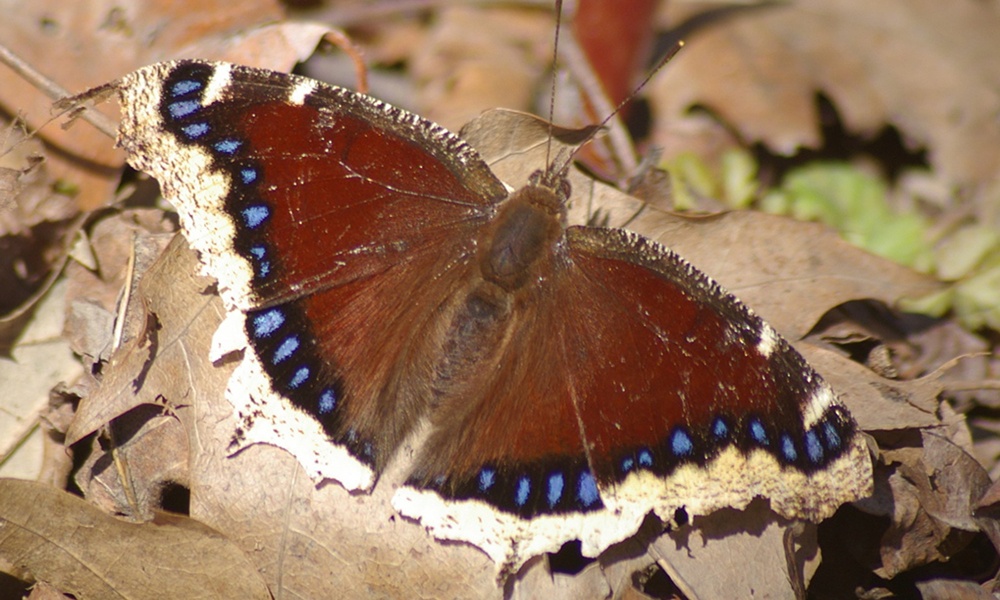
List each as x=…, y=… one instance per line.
x=520, y=242
x=516, y=251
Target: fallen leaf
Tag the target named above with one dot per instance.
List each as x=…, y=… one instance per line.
x=53, y=536
x=747, y=546
x=923, y=66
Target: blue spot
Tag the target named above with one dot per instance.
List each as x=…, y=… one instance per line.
x=183, y=108
x=327, y=401
x=254, y=216
x=645, y=458
x=719, y=428
x=680, y=443
x=487, y=477
x=195, y=130
x=814, y=449
x=248, y=175
x=523, y=491
x=267, y=322
x=263, y=266
x=286, y=349
x=185, y=86
x=586, y=489
x=627, y=464
x=439, y=481
x=832, y=437
x=758, y=433
x=556, y=484
x=300, y=377
x=367, y=449
x=788, y=448
x=227, y=146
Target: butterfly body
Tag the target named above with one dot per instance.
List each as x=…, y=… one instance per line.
x=381, y=281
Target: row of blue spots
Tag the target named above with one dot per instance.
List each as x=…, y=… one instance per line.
x=815, y=446
x=644, y=458
x=267, y=323
x=180, y=107
x=587, y=494
x=254, y=215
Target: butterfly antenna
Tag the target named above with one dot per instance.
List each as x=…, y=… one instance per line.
x=635, y=92
x=552, y=92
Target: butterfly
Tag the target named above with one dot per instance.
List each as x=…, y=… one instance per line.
x=561, y=382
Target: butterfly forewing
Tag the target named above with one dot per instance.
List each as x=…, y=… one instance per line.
x=338, y=223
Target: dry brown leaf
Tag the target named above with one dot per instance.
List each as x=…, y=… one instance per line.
x=737, y=554
x=93, y=42
x=137, y=455
x=953, y=590
x=53, y=536
x=928, y=492
x=926, y=67
x=40, y=359
x=474, y=59
x=133, y=376
x=119, y=250
x=45, y=591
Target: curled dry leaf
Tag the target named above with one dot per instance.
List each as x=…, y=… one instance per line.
x=929, y=492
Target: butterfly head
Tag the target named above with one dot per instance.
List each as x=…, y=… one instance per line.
x=555, y=182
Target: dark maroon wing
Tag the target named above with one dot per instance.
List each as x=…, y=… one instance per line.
x=337, y=223
x=632, y=384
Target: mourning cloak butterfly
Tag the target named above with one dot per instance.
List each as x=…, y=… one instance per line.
x=569, y=380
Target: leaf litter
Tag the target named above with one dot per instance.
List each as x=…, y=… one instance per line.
x=152, y=412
